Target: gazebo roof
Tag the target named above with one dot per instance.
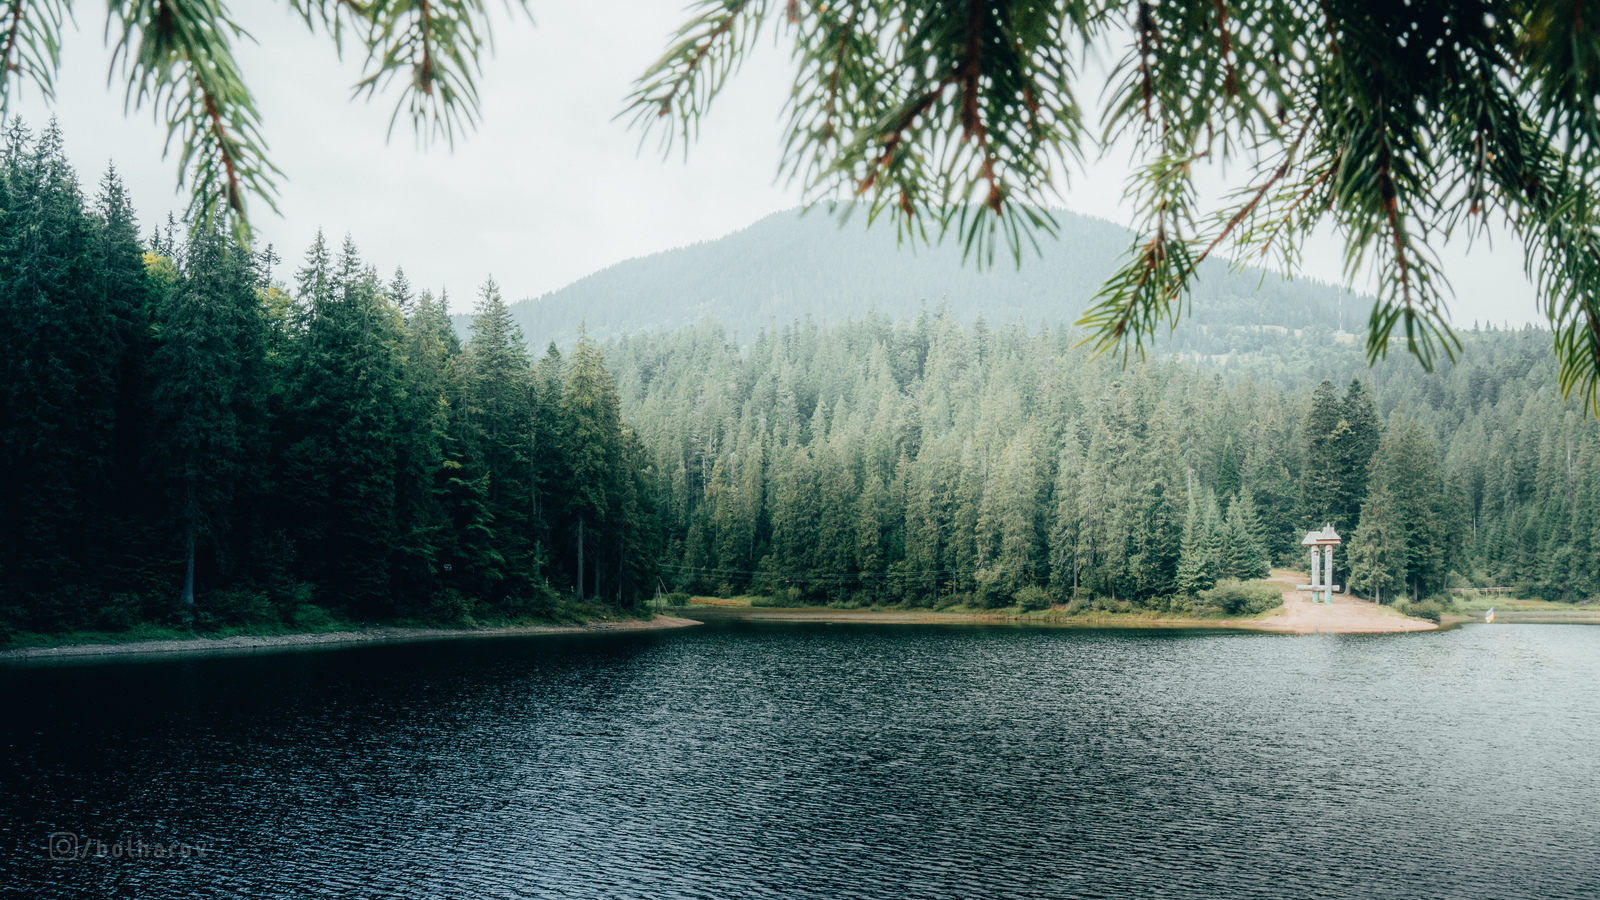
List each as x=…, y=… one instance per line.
x=1327, y=537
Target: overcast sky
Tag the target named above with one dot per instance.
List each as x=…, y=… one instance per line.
x=550, y=187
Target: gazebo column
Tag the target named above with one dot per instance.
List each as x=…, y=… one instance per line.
x=1316, y=553
x=1327, y=581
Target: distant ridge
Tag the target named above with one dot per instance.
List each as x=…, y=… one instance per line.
x=791, y=266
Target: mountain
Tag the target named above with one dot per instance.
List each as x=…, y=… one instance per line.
x=790, y=266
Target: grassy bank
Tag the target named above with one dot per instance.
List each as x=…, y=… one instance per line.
x=569, y=613
x=755, y=607
x=1471, y=607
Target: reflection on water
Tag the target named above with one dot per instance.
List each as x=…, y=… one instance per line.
x=819, y=761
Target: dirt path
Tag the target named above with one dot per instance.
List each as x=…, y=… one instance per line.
x=376, y=635
x=1347, y=614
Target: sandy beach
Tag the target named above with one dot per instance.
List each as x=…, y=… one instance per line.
x=1346, y=615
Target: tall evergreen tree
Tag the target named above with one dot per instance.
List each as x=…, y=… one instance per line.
x=210, y=399
x=337, y=452
x=1358, y=441
x=60, y=349
x=496, y=420
x=591, y=419
x=1377, y=551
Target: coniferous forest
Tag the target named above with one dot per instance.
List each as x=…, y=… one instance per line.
x=197, y=433
x=924, y=462
x=187, y=436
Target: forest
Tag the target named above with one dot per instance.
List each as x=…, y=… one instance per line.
x=791, y=266
x=928, y=462
x=188, y=440
x=200, y=435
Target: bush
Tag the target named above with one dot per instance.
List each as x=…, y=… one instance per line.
x=311, y=617
x=677, y=598
x=121, y=612
x=1243, y=598
x=1033, y=598
x=240, y=606
x=782, y=598
x=1430, y=609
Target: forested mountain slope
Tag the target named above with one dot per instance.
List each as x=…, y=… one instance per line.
x=789, y=267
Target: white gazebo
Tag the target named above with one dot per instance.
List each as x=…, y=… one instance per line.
x=1321, y=544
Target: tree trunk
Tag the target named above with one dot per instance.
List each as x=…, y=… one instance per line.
x=580, y=556
x=619, y=571
x=191, y=516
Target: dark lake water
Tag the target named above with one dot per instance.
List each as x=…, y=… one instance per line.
x=814, y=761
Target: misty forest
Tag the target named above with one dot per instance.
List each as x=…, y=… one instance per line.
x=195, y=433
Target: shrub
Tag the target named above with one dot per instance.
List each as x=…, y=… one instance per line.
x=240, y=606
x=1430, y=609
x=121, y=612
x=1033, y=598
x=677, y=598
x=783, y=598
x=311, y=617
x=1243, y=598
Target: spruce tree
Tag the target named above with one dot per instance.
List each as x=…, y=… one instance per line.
x=337, y=452
x=210, y=393
x=1245, y=557
x=591, y=417
x=1321, y=482
x=423, y=447
x=1353, y=456
x=496, y=421
x=1196, y=556
x=1377, y=552
x=60, y=350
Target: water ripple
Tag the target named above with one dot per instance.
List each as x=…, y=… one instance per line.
x=822, y=761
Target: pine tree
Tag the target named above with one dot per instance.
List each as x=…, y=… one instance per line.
x=60, y=350
x=127, y=538
x=497, y=436
x=1414, y=480
x=592, y=431
x=1066, y=559
x=1197, y=553
x=1244, y=556
x=337, y=452
x=1359, y=441
x=1377, y=552
x=211, y=391
x=1321, y=484
x=1227, y=474
x=428, y=378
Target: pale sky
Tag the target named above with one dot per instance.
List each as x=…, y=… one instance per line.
x=551, y=186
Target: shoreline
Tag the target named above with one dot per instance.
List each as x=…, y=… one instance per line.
x=1277, y=622
x=379, y=634
x=1355, y=617
x=1297, y=615
x=830, y=616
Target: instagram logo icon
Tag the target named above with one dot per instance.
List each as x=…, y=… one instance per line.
x=63, y=845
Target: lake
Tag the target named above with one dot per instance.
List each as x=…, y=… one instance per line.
x=817, y=761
